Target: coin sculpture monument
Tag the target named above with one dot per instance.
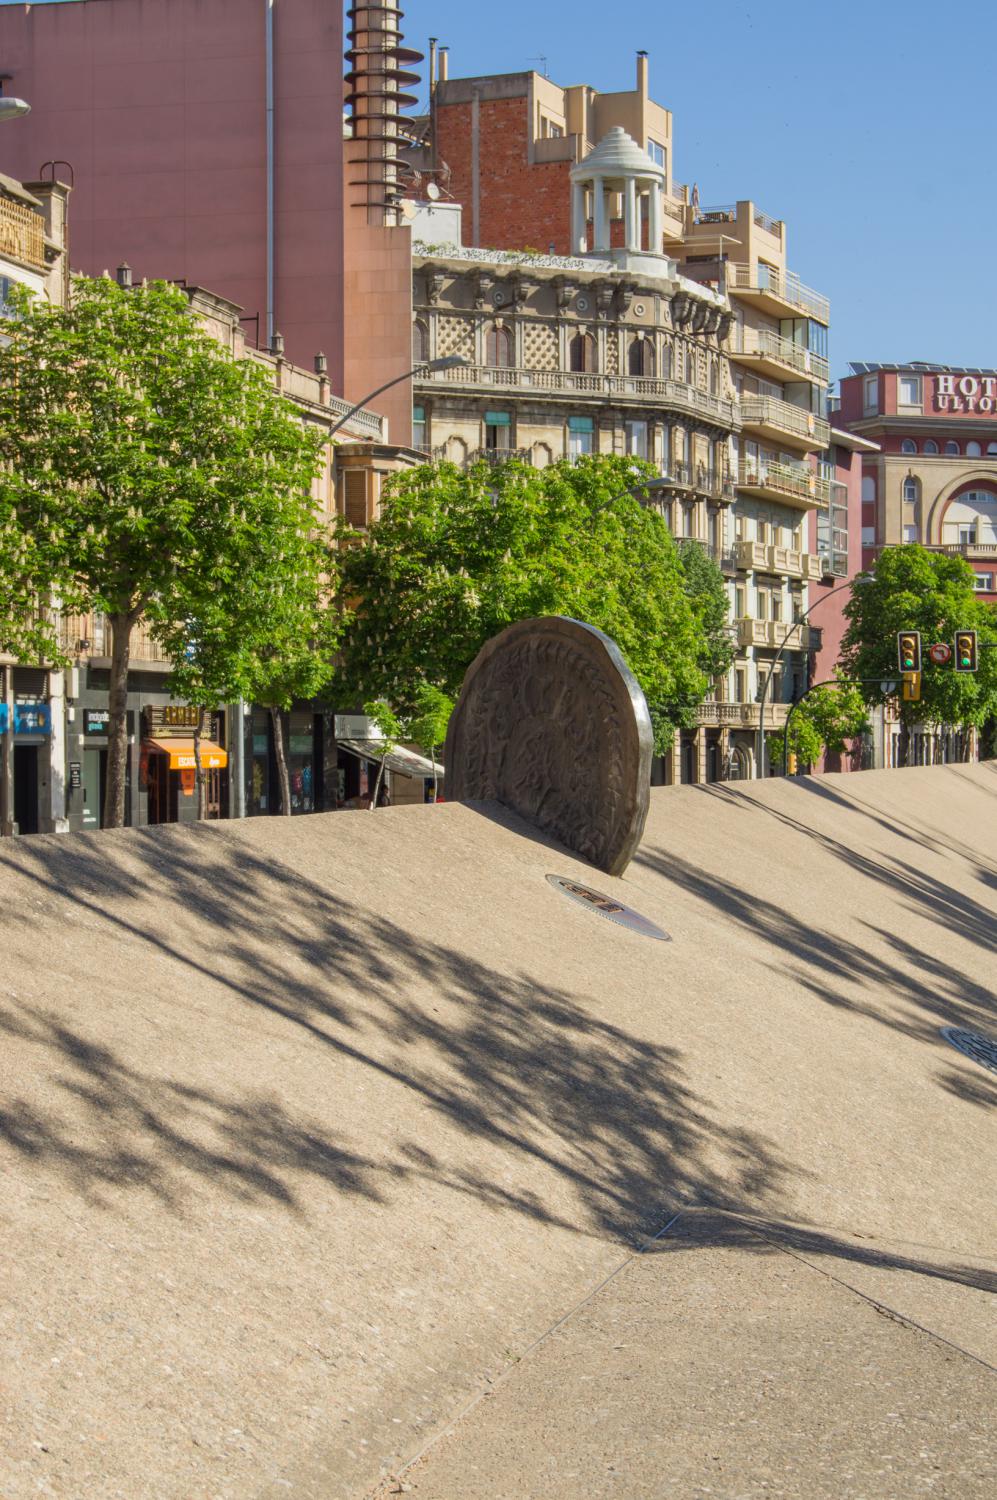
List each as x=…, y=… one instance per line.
x=552, y=723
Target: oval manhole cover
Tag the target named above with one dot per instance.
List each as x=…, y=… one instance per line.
x=982, y=1049
x=607, y=907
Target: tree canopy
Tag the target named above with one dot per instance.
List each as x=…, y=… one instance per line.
x=457, y=555
x=831, y=715
x=146, y=473
x=911, y=588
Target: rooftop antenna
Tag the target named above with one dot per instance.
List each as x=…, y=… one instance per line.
x=543, y=64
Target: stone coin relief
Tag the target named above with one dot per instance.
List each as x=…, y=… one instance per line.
x=552, y=724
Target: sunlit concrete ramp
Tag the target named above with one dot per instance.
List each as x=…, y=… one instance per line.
x=347, y=1151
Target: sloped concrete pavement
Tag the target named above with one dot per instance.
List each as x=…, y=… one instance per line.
x=311, y=1130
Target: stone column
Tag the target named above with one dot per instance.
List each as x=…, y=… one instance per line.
x=654, y=223
x=630, y=219
x=599, y=214
x=579, y=227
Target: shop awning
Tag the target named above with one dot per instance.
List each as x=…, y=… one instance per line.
x=405, y=762
x=181, y=753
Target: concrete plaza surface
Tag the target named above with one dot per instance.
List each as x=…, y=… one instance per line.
x=313, y=1132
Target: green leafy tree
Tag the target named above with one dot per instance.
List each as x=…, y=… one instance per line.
x=146, y=464
x=456, y=556
x=911, y=588
x=383, y=716
x=428, y=726
x=707, y=594
x=830, y=717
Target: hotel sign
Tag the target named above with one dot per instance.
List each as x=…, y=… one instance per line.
x=966, y=393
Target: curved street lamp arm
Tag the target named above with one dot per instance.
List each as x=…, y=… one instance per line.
x=828, y=682
x=778, y=658
x=371, y=395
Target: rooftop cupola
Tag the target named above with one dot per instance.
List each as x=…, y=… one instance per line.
x=616, y=165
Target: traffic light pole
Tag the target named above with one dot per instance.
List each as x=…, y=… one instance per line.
x=760, y=755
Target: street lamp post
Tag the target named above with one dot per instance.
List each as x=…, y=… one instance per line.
x=451, y=362
x=778, y=658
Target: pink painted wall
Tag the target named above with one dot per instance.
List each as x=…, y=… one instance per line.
x=160, y=107
x=830, y=616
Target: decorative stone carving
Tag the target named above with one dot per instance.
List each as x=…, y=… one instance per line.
x=724, y=327
x=552, y=723
x=483, y=283
x=605, y=294
x=564, y=290
x=682, y=309
x=624, y=297
x=434, y=286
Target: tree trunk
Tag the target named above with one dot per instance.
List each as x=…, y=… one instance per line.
x=377, y=785
x=199, y=769
x=903, y=741
x=117, y=729
x=282, y=773
x=436, y=779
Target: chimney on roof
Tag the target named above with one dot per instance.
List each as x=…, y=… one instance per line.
x=444, y=64
x=642, y=74
x=432, y=65
x=124, y=275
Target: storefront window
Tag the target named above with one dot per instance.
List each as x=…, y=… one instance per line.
x=301, y=761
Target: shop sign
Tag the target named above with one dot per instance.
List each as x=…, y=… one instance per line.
x=75, y=775
x=32, y=718
x=96, y=720
x=355, y=727
x=176, y=720
x=966, y=393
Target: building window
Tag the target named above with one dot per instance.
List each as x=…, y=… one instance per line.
x=930, y=446
x=636, y=436
x=983, y=582
x=666, y=360
x=908, y=446
x=870, y=394
x=967, y=535
x=419, y=428
x=868, y=536
x=951, y=447
x=498, y=430
x=910, y=533
x=911, y=490
x=909, y=390
x=581, y=352
x=640, y=357
x=869, y=489
x=656, y=152
x=420, y=343
x=973, y=450
x=714, y=376
x=991, y=450
x=355, y=498
x=740, y=685
x=580, y=436
x=498, y=347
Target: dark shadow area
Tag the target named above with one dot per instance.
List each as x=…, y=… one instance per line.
x=707, y=1226
x=599, y=1114
x=506, y=1060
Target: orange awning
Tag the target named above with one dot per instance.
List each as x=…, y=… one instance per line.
x=181, y=753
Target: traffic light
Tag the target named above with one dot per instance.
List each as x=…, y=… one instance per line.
x=909, y=650
x=965, y=651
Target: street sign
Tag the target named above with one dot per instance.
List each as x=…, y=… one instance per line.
x=888, y=686
x=940, y=653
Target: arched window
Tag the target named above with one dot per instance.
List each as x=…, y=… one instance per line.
x=908, y=446
x=498, y=347
x=666, y=360
x=640, y=360
x=930, y=446
x=971, y=519
x=581, y=352
x=912, y=490
x=951, y=446
x=973, y=450
x=991, y=450
x=420, y=343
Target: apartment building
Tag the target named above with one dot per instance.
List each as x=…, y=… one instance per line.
x=33, y=254
x=568, y=183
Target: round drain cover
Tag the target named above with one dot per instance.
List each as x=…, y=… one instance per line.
x=982, y=1049
x=606, y=906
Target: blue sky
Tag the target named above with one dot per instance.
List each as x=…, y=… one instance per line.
x=870, y=127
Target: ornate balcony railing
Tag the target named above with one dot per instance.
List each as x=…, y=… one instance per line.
x=647, y=390
x=88, y=637
x=774, y=633
x=740, y=715
x=22, y=233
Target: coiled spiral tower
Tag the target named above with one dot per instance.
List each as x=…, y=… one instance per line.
x=379, y=74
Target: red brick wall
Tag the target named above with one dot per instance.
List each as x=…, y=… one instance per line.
x=521, y=206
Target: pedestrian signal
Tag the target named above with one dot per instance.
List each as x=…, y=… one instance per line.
x=965, y=650
x=909, y=650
